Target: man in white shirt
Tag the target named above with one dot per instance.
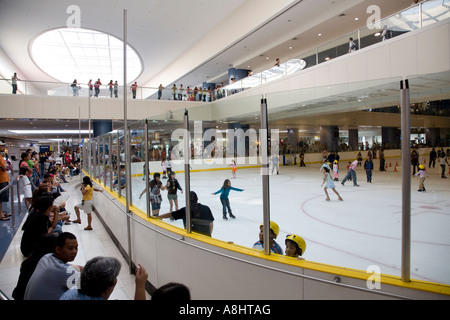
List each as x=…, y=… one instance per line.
x=53, y=275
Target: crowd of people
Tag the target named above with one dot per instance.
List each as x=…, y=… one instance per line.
x=46, y=272
x=188, y=94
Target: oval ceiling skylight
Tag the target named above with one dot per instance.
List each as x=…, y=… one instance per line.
x=74, y=53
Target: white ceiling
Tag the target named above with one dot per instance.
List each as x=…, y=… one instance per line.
x=190, y=41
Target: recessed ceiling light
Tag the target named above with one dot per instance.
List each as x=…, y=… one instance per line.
x=356, y=19
x=319, y=34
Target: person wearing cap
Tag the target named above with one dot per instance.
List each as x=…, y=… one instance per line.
x=202, y=219
x=295, y=246
x=4, y=181
x=274, y=246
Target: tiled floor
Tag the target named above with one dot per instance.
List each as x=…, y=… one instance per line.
x=90, y=244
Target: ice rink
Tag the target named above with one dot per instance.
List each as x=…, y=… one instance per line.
x=361, y=231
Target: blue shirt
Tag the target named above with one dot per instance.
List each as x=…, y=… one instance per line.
x=274, y=249
x=224, y=192
x=73, y=294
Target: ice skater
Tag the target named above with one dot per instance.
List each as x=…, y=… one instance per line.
x=275, y=162
x=368, y=166
x=172, y=187
x=155, y=193
x=336, y=170
x=329, y=184
x=422, y=173
x=351, y=174
x=233, y=169
x=164, y=168
x=224, y=193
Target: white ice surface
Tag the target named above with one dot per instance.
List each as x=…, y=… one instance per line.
x=361, y=231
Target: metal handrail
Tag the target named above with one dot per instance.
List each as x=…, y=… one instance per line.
x=3, y=296
x=11, y=186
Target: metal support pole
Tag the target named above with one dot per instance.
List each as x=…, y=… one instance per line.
x=187, y=177
x=110, y=161
x=119, y=182
x=406, y=182
x=104, y=161
x=264, y=151
x=147, y=170
x=127, y=141
x=83, y=151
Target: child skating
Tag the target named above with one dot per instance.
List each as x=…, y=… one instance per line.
x=224, y=192
x=172, y=187
x=329, y=184
x=422, y=173
x=233, y=169
x=336, y=170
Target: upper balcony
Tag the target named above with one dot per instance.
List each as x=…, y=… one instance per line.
x=329, y=78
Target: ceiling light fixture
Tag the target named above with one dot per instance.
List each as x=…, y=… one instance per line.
x=75, y=53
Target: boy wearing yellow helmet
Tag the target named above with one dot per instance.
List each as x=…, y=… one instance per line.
x=422, y=173
x=295, y=246
x=274, y=246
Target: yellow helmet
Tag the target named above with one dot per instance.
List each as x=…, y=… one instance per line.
x=299, y=241
x=274, y=227
x=421, y=166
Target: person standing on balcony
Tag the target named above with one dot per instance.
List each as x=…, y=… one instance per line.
x=174, y=92
x=160, y=89
x=277, y=62
x=91, y=87
x=180, y=92
x=14, y=80
x=116, y=89
x=110, y=85
x=352, y=45
x=97, y=85
x=75, y=87
x=133, y=89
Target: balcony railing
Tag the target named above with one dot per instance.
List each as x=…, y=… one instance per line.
x=415, y=17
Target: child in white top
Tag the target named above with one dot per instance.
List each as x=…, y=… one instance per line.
x=422, y=173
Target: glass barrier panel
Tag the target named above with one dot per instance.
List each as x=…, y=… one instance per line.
x=107, y=161
x=222, y=152
x=338, y=47
x=119, y=183
x=405, y=21
x=161, y=159
x=434, y=11
x=137, y=155
x=307, y=59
